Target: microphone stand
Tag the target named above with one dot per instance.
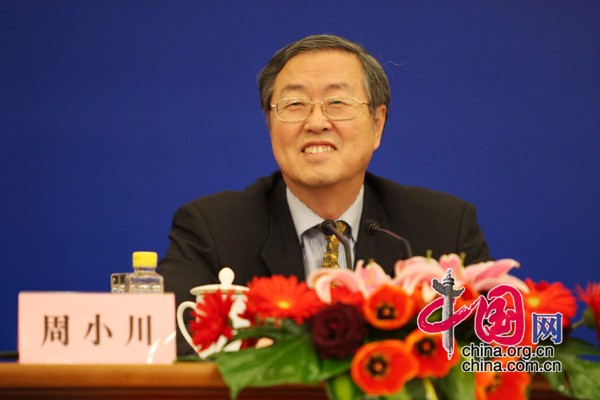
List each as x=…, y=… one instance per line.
x=372, y=226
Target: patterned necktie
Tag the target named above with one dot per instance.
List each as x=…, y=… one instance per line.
x=330, y=259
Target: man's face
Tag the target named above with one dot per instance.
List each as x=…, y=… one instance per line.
x=318, y=153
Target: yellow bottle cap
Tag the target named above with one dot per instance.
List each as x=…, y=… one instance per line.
x=146, y=259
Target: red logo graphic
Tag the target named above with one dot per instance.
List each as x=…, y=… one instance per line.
x=499, y=317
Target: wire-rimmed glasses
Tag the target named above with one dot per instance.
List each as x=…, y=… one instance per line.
x=336, y=108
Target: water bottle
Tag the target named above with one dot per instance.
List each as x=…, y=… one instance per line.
x=144, y=278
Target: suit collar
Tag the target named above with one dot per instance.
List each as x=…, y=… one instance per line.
x=282, y=252
x=304, y=218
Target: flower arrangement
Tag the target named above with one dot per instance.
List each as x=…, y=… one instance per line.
x=360, y=333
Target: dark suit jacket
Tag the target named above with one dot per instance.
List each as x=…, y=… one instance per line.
x=253, y=233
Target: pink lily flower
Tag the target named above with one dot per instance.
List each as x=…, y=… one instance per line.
x=323, y=279
x=418, y=272
x=483, y=276
x=372, y=276
x=364, y=279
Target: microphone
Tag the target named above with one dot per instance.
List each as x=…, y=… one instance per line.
x=372, y=227
x=328, y=228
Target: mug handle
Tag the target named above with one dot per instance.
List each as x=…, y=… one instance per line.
x=181, y=322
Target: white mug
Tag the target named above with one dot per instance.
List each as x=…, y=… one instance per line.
x=226, y=277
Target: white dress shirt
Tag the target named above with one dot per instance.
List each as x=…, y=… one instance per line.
x=312, y=240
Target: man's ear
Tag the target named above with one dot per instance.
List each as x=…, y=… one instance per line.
x=378, y=123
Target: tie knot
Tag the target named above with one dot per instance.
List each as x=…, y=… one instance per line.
x=340, y=226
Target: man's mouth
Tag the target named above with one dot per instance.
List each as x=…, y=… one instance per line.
x=318, y=149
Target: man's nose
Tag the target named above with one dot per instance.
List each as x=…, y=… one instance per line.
x=317, y=121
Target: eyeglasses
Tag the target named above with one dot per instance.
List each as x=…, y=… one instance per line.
x=337, y=108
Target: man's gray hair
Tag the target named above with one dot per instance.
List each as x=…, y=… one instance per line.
x=374, y=78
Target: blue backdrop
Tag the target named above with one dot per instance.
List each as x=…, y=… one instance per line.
x=113, y=113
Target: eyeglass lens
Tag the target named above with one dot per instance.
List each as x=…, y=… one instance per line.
x=334, y=108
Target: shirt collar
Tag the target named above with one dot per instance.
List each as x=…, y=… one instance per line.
x=304, y=218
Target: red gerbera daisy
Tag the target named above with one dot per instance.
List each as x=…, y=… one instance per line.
x=430, y=352
x=546, y=298
x=550, y=298
x=383, y=367
x=211, y=319
x=280, y=297
x=591, y=296
x=389, y=307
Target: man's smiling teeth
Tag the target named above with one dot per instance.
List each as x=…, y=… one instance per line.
x=318, y=149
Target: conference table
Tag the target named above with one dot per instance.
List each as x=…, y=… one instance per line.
x=182, y=380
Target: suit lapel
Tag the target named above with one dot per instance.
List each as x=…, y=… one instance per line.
x=383, y=250
x=282, y=252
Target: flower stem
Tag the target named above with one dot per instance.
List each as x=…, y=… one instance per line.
x=430, y=393
x=578, y=324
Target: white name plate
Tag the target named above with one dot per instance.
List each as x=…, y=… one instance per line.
x=96, y=328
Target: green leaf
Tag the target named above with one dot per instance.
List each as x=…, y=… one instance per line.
x=579, y=378
x=457, y=385
x=342, y=387
x=404, y=394
x=577, y=347
x=291, y=359
x=401, y=395
x=279, y=332
x=332, y=368
x=414, y=389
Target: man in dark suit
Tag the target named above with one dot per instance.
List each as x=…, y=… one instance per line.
x=326, y=102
